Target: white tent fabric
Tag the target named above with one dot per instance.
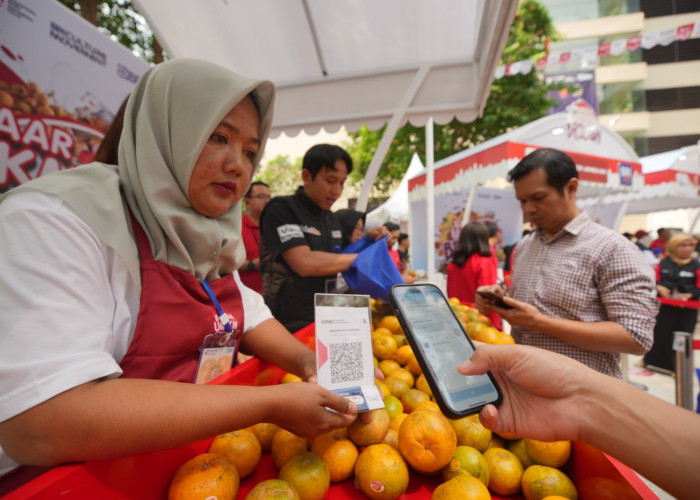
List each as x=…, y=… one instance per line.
x=671, y=182
x=347, y=62
x=395, y=209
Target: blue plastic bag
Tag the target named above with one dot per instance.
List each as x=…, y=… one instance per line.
x=372, y=272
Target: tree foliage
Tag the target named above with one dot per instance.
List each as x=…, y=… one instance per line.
x=513, y=101
x=282, y=175
x=120, y=20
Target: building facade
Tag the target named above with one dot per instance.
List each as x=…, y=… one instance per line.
x=650, y=96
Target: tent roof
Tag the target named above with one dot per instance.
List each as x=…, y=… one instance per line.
x=671, y=182
x=347, y=62
x=598, y=161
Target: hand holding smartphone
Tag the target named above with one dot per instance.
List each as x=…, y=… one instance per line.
x=440, y=345
x=494, y=298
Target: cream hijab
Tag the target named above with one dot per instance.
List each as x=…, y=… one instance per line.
x=171, y=112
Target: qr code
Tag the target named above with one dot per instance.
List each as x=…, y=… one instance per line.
x=346, y=362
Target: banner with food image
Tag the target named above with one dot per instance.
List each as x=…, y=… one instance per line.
x=61, y=82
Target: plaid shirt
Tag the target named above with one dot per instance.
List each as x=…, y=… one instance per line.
x=588, y=273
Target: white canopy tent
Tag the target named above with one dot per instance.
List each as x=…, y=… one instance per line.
x=348, y=62
x=671, y=182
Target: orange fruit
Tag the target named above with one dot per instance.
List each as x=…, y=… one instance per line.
x=384, y=346
x=392, y=438
x=289, y=377
x=517, y=448
x=422, y=385
x=264, y=432
x=454, y=301
x=378, y=332
x=386, y=366
x=496, y=441
x=427, y=440
x=540, y=481
x=427, y=405
x=393, y=405
x=371, y=432
x=402, y=374
x=309, y=475
x=381, y=473
x=397, y=421
x=412, y=398
x=506, y=338
x=472, y=327
x=471, y=432
x=273, y=489
x=285, y=445
x=462, y=486
x=469, y=460
x=400, y=339
x=505, y=471
x=488, y=335
x=403, y=354
x=413, y=366
x=509, y=436
x=204, y=476
x=382, y=387
x=483, y=319
x=550, y=453
x=396, y=386
x=391, y=323
x=241, y=447
x=338, y=452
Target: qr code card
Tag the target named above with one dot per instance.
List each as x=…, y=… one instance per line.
x=344, y=361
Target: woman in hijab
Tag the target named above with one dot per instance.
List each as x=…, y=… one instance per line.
x=119, y=286
x=677, y=277
x=352, y=225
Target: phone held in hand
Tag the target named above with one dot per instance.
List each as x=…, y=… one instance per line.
x=440, y=344
x=494, y=298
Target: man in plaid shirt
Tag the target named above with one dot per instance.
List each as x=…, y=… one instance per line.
x=578, y=288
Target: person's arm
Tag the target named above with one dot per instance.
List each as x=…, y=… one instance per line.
x=271, y=341
x=306, y=262
x=548, y=396
x=120, y=417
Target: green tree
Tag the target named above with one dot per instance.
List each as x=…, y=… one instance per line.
x=120, y=20
x=513, y=101
x=282, y=174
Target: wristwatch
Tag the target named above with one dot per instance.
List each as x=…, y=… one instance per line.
x=251, y=265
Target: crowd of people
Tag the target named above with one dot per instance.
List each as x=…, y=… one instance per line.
x=128, y=279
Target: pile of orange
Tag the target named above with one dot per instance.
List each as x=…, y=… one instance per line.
x=409, y=436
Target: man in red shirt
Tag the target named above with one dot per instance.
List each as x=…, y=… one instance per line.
x=255, y=200
x=658, y=246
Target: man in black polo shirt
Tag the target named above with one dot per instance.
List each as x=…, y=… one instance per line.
x=301, y=238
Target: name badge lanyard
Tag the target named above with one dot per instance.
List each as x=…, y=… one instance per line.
x=222, y=315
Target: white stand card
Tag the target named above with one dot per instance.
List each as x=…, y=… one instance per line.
x=344, y=361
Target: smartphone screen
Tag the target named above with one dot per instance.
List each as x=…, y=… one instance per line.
x=440, y=344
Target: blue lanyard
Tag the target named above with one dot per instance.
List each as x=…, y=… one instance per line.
x=223, y=316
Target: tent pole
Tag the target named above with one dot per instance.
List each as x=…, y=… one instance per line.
x=620, y=214
x=430, y=198
x=467, y=215
x=391, y=128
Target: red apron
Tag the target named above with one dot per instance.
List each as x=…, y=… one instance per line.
x=175, y=315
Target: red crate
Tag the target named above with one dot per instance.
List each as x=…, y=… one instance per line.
x=147, y=476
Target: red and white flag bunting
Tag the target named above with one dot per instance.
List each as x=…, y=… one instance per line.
x=614, y=48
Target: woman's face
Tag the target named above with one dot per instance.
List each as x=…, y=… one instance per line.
x=225, y=166
x=358, y=231
x=685, y=249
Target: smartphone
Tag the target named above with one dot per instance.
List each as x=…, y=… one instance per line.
x=440, y=344
x=495, y=299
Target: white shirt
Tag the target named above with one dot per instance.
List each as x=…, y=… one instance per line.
x=68, y=305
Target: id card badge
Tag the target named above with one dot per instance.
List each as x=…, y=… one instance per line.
x=214, y=361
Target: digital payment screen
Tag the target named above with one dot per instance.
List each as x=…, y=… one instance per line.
x=444, y=345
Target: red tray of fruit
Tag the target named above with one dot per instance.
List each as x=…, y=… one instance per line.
x=595, y=474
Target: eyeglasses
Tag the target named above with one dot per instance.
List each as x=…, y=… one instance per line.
x=261, y=196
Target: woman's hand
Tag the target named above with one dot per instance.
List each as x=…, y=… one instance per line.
x=310, y=410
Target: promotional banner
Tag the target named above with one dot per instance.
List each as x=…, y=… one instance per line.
x=496, y=205
x=583, y=83
x=61, y=82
